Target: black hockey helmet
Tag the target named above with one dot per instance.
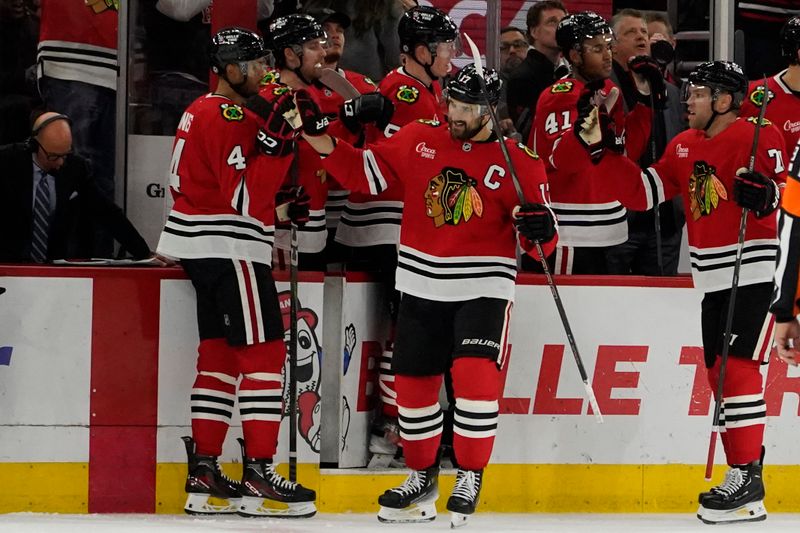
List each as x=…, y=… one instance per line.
x=790, y=40
x=465, y=86
x=292, y=30
x=425, y=25
x=576, y=28
x=721, y=76
x=235, y=45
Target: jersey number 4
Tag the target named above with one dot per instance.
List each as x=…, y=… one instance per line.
x=235, y=159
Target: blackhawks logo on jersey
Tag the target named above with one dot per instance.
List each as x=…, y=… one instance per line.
x=757, y=96
x=561, y=87
x=433, y=123
x=407, y=94
x=764, y=121
x=527, y=150
x=451, y=198
x=272, y=76
x=232, y=112
x=705, y=190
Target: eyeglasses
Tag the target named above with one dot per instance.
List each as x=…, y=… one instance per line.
x=504, y=47
x=54, y=157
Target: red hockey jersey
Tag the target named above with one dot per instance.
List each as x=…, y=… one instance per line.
x=587, y=214
x=457, y=240
x=783, y=107
x=371, y=220
x=78, y=42
x=224, y=191
x=702, y=170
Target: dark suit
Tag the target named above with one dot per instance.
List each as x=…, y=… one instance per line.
x=79, y=206
x=525, y=83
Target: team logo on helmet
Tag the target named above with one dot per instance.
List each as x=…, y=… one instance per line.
x=527, y=150
x=232, y=112
x=407, y=94
x=451, y=197
x=757, y=96
x=705, y=190
x=561, y=87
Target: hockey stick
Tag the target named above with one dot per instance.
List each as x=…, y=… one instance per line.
x=712, y=443
x=293, y=333
x=338, y=84
x=476, y=56
x=656, y=208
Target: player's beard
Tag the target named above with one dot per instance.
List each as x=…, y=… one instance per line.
x=332, y=57
x=461, y=131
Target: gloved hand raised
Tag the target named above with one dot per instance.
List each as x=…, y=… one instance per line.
x=275, y=107
x=646, y=69
x=314, y=122
x=292, y=204
x=756, y=192
x=535, y=222
x=367, y=108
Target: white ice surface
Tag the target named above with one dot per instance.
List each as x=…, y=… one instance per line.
x=360, y=523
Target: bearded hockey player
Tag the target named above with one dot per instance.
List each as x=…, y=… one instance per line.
x=590, y=219
x=222, y=228
x=708, y=166
x=456, y=271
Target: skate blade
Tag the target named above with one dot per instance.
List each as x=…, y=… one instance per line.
x=252, y=507
x=458, y=519
x=418, y=512
x=750, y=512
x=204, y=504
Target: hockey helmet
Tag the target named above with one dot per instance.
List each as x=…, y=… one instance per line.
x=721, y=76
x=235, y=45
x=576, y=28
x=466, y=86
x=425, y=25
x=790, y=40
x=293, y=30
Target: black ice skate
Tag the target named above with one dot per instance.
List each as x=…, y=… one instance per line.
x=414, y=500
x=465, y=495
x=267, y=493
x=209, y=490
x=740, y=498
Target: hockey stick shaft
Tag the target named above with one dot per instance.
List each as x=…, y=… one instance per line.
x=737, y=266
x=656, y=208
x=293, y=334
x=543, y=260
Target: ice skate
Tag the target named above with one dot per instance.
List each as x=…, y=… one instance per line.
x=267, y=493
x=209, y=491
x=464, y=499
x=414, y=500
x=740, y=498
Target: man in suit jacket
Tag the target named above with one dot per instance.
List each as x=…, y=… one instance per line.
x=40, y=222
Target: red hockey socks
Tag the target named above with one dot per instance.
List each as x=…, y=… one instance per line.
x=213, y=395
x=744, y=411
x=476, y=386
x=421, y=418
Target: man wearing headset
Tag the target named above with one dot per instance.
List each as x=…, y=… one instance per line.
x=49, y=203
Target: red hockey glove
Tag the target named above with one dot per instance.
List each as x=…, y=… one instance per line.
x=756, y=192
x=648, y=69
x=593, y=127
x=275, y=138
x=315, y=123
x=367, y=108
x=535, y=222
x=292, y=204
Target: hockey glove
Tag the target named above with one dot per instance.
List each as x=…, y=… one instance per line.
x=535, y=222
x=372, y=107
x=593, y=127
x=646, y=68
x=292, y=204
x=314, y=122
x=756, y=192
x=275, y=138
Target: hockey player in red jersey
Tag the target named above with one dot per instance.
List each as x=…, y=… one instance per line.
x=590, y=219
x=222, y=229
x=783, y=89
x=708, y=166
x=370, y=224
x=456, y=270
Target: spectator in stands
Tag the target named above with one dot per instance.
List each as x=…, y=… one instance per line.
x=49, y=202
x=513, y=49
x=538, y=69
x=640, y=253
x=19, y=33
x=662, y=44
x=373, y=48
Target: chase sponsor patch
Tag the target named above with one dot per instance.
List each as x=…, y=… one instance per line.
x=407, y=94
x=232, y=112
x=561, y=87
